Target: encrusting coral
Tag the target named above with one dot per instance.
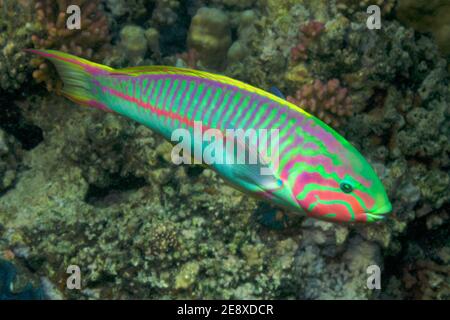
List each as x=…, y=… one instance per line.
x=16, y=27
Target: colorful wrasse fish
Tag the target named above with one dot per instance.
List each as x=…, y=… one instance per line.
x=319, y=173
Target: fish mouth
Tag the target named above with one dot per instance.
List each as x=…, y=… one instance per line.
x=379, y=214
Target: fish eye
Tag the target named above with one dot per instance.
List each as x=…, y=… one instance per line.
x=346, y=187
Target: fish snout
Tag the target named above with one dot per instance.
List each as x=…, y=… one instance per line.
x=379, y=213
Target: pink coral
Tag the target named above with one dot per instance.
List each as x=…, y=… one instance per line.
x=308, y=33
x=328, y=101
x=190, y=58
x=89, y=42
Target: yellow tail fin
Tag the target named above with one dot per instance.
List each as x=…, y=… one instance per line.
x=77, y=75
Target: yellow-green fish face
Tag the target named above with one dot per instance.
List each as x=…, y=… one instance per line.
x=334, y=182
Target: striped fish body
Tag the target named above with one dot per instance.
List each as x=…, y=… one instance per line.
x=319, y=173
x=166, y=101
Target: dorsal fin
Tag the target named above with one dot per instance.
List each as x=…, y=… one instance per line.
x=153, y=69
x=141, y=70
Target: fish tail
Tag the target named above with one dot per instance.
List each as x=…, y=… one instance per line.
x=78, y=76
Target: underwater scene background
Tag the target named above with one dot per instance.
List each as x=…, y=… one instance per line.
x=83, y=187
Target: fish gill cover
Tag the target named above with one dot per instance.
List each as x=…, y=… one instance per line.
x=93, y=189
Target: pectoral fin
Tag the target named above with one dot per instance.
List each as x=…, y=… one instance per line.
x=251, y=174
x=259, y=173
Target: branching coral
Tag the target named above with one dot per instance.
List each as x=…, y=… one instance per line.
x=157, y=12
x=189, y=58
x=428, y=280
x=132, y=10
x=308, y=33
x=426, y=274
x=328, y=101
x=89, y=42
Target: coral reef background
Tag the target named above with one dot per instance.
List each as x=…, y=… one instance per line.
x=99, y=191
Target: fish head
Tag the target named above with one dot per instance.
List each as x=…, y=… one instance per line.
x=336, y=183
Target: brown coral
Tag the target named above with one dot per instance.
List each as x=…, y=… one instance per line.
x=308, y=33
x=89, y=42
x=428, y=16
x=427, y=280
x=328, y=101
x=210, y=35
x=17, y=26
x=190, y=58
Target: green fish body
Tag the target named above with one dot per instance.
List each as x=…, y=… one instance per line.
x=317, y=173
